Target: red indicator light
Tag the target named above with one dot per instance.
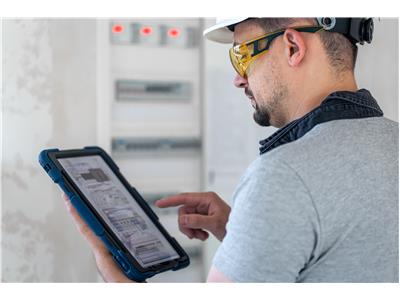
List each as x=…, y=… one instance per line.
x=146, y=30
x=118, y=28
x=173, y=32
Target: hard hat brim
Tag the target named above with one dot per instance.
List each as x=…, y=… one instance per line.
x=220, y=33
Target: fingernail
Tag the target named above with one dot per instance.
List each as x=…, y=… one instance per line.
x=184, y=220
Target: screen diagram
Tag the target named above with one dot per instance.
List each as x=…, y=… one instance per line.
x=119, y=209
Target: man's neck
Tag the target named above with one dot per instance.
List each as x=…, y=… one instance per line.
x=311, y=97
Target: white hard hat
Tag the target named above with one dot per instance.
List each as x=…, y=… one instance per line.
x=220, y=32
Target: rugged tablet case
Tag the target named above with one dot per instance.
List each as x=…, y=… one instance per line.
x=130, y=270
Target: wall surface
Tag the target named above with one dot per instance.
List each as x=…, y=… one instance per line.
x=377, y=67
x=49, y=96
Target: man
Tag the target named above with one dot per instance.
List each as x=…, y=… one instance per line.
x=320, y=204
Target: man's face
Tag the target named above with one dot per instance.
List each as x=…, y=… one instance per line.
x=264, y=85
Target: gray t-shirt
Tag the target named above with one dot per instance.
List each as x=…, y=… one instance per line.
x=323, y=208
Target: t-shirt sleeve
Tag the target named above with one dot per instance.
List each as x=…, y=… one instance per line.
x=272, y=229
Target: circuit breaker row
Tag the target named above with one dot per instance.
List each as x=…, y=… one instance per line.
x=153, y=34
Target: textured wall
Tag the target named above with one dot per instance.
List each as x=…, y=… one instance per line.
x=49, y=69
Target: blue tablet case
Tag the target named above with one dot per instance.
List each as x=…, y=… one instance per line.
x=126, y=266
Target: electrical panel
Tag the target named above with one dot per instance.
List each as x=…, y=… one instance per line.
x=155, y=118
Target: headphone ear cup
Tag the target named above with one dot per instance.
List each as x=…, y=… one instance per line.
x=367, y=30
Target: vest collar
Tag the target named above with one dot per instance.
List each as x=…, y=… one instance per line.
x=337, y=106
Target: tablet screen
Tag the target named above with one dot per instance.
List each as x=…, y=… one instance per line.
x=119, y=209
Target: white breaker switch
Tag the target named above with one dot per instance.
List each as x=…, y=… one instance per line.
x=145, y=34
x=178, y=37
x=120, y=33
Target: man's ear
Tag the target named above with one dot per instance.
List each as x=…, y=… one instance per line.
x=295, y=47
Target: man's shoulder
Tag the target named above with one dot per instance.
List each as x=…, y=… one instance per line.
x=269, y=168
x=326, y=139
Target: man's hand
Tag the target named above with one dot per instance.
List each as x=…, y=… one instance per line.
x=199, y=212
x=106, y=265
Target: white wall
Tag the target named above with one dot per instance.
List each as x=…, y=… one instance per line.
x=48, y=101
x=377, y=67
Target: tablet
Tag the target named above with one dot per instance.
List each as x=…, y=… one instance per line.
x=115, y=211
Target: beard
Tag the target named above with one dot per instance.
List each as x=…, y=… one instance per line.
x=262, y=116
x=267, y=111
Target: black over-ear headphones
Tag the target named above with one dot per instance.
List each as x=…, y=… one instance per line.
x=357, y=30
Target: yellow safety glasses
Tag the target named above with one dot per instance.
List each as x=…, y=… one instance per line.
x=244, y=54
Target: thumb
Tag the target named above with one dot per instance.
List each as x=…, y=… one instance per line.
x=196, y=221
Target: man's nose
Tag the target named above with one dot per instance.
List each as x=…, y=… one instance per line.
x=240, y=82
